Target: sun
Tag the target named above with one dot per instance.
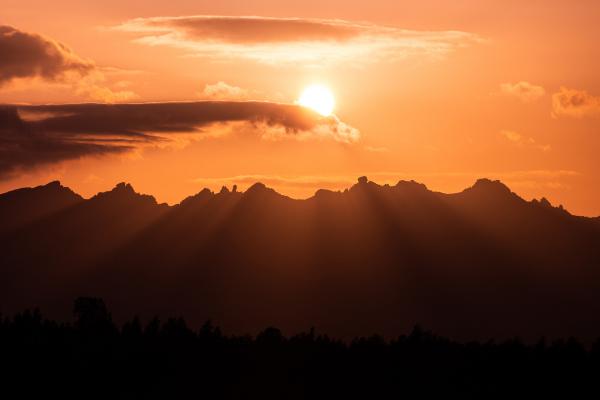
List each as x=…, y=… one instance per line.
x=318, y=98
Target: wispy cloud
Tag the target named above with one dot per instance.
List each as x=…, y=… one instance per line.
x=313, y=42
x=377, y=149
x=223, y=91
x=524, y=91
x=575, y=103
x=31, y=136
x=520, y=140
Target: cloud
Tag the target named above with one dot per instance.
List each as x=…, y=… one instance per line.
x=92, y=88
x=523, y=141
x=523, y=90
x=575, y=103
x=22, y=146
x=223, y=91
x=28, y=55
x=313, y=42
x=25, y=55
x=31, y=136
x=374, y=149
x=512, y=136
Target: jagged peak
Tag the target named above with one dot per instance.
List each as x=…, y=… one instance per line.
x=54, y=184
x=53, y=188
x=363, y=183
x=545, y=202
x=321, y=193
x=57, y=186
x=489, y=185
x=411, y=185
x=260, y=189
x=123, y=187
x=124, y=190
x=257, y=187
x=200, y=196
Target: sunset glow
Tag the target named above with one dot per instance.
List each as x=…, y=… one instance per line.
x=318, y=98
x=427, y=90
x=293, y=199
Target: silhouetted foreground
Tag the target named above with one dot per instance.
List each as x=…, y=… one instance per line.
x=373, y=258
x=93, y=358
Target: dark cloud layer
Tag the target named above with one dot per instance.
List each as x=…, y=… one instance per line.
x=31, y=136
x=28, y=55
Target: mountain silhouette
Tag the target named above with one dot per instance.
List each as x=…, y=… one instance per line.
x=22, y=206
x=475, y=264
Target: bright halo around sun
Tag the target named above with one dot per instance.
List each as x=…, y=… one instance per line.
x=318, y=98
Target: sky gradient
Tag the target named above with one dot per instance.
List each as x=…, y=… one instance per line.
x=435, y=91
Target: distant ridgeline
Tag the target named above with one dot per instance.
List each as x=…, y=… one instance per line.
x=478, y=264
x=93, y=358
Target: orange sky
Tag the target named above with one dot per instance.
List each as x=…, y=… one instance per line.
x=440, y=92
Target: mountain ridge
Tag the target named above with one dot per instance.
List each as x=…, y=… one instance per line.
x=482, y=186
x=479, y=263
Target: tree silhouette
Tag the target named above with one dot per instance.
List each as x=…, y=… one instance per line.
x=94, y=358
x=91, y=315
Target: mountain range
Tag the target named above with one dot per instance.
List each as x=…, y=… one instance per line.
x=481, y=263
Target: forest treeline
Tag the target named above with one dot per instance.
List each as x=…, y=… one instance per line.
x=94, y=358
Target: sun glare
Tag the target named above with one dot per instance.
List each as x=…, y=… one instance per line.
x=318, y=98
